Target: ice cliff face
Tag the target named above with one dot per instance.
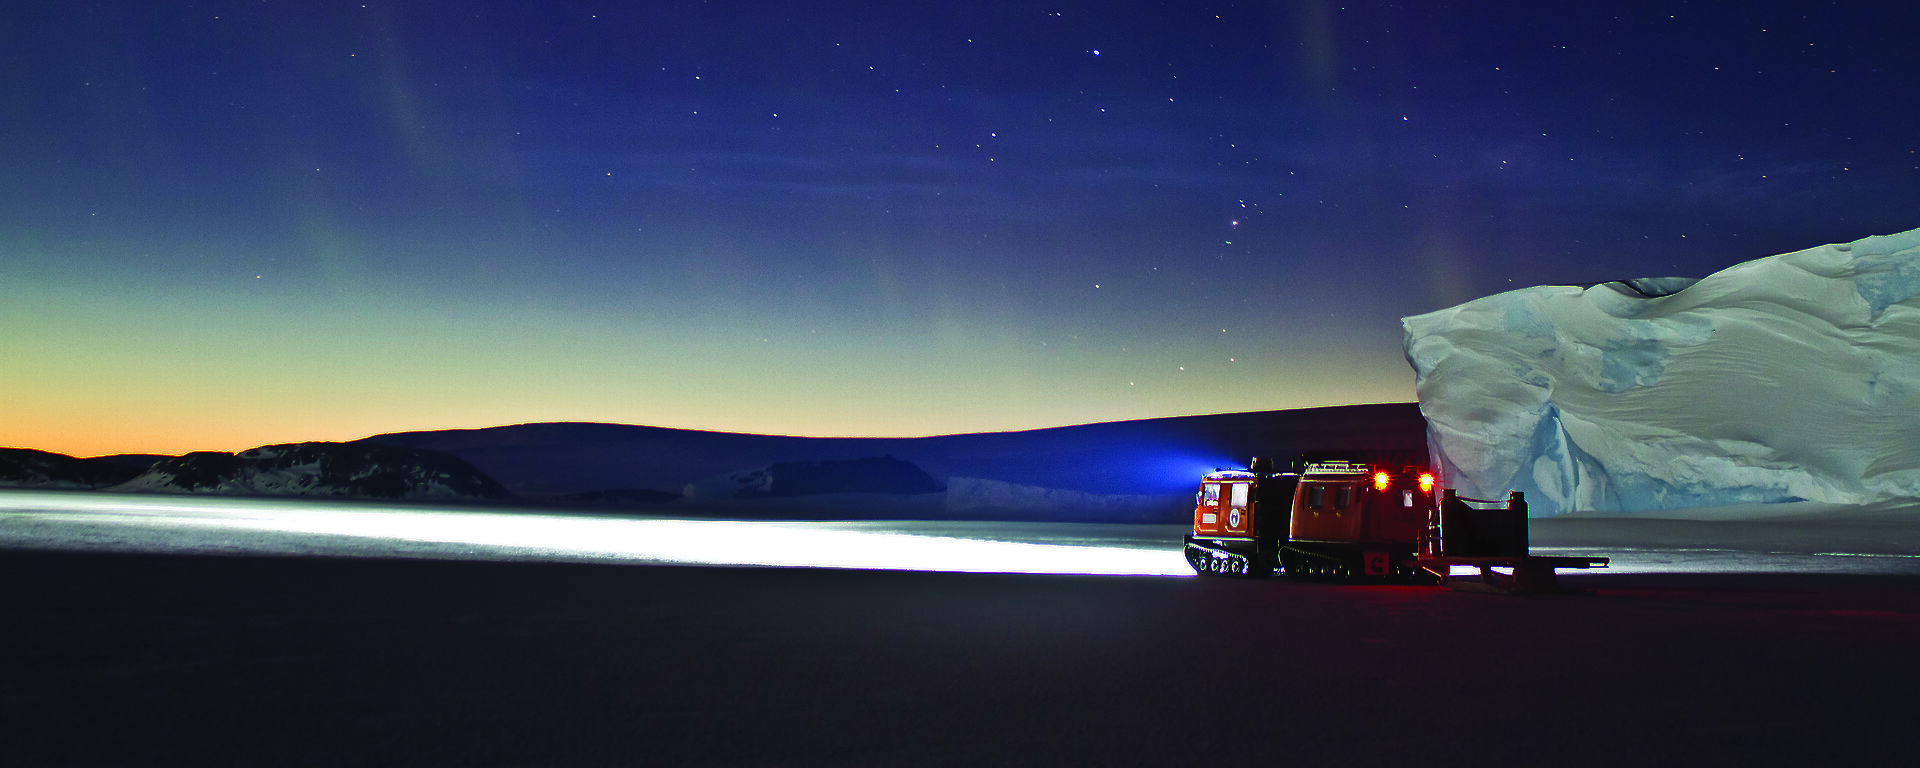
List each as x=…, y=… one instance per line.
x=1793, y=377
x=355, y=470
x=973, y=496
x=883, y=474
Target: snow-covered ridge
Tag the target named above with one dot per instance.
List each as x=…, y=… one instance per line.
x=1793, y=377
x=321, y=469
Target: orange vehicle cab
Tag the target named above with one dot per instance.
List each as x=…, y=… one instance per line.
x=1240, y=519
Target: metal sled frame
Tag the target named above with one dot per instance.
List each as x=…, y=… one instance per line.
x=1531, y=575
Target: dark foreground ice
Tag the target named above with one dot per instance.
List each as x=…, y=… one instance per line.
x=235, y=645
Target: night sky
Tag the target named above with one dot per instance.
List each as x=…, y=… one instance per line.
x=226, y=224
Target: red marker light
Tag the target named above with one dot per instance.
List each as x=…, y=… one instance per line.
x=1381, y=480
x=1426, y=482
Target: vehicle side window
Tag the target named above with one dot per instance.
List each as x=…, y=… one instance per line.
x=1239, y=499
x=1316, y=496
x=1210, y=494
x=1346, y=497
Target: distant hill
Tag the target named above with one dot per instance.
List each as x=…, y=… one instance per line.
x=1149, y=456
x=1140, y=471
x=28, y=468
x=350, y=470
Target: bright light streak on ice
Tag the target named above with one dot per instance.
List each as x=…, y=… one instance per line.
x=705, y=542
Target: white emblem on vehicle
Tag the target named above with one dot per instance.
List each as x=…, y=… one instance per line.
x=1233, y=519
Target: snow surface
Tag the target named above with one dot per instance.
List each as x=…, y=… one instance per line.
x=1785, y=379
x=79, y=521
x=1804, y=538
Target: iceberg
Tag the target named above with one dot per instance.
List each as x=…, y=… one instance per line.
x=1789, y=378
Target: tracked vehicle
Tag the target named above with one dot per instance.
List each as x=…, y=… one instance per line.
x=1325, y=518
x=1342, y=519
